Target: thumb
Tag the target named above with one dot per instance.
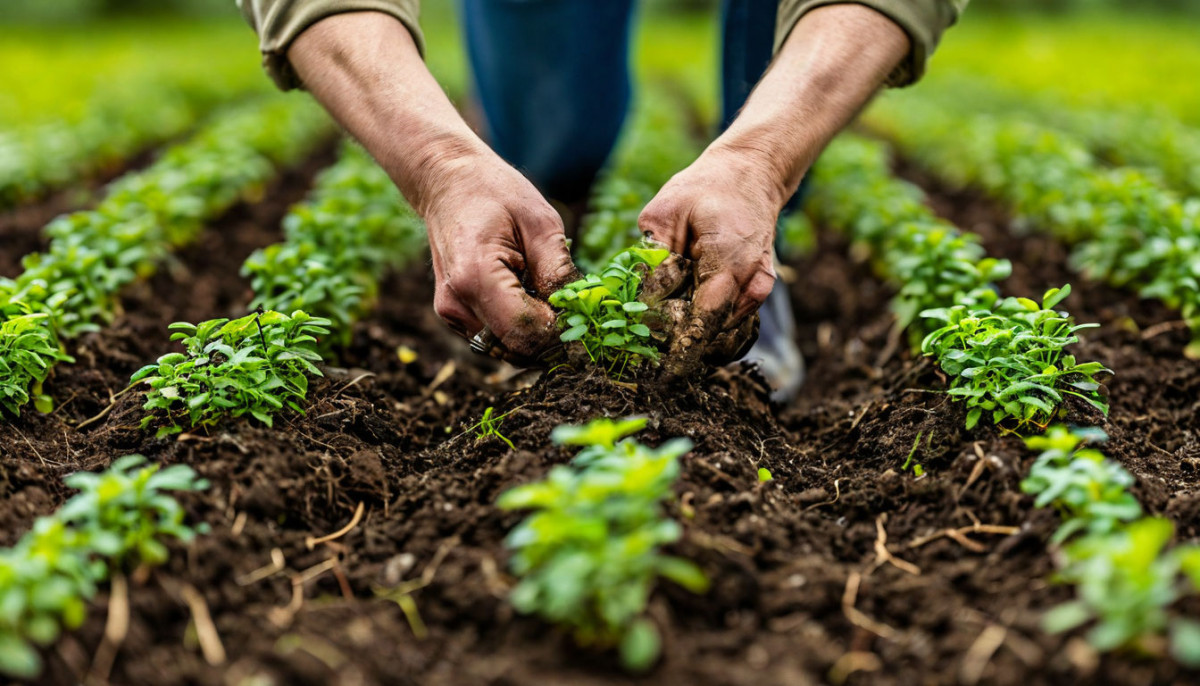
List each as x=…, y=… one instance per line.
x=547, y=258
x=665, y=221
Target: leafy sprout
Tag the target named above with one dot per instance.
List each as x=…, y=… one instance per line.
x=1126, y=575
x=588, y=557
x=29, y=350
x=602, y=312
x=1010, y=361
x=118, y=519
x=257, y=365
x=489, y=427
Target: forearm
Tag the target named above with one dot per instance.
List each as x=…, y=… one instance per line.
x=834, y=61
x=364, y=67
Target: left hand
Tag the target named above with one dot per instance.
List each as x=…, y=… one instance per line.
x=721, y=212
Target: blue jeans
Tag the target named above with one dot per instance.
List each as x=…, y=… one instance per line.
x=552, y=78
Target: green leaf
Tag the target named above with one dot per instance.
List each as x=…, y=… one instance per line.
x=18, y=659
x=574, y=333
x=1065, y=617
x=1185, y=641
x=640, y=646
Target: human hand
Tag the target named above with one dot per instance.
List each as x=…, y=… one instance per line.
x=721, y=213
x=494, y=240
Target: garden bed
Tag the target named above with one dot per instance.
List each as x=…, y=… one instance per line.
x=838, y=568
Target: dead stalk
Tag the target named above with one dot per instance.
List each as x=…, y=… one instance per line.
x=206, y=630
x=358, y=513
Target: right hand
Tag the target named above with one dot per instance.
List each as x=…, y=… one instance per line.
x=491, y=233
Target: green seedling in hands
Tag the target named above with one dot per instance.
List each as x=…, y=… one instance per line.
x=588, y=557
x=602, y=312
x=119, y=519
x=257, y=365
x=1010, y=361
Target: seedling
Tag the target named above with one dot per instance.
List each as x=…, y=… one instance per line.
x=489, y=427
x=28, y=352
x=118, y=519
x=1009, y=361
x=764, y=475
x=1126, y=576
x=603, y=314
x=257, y=365
x=338, y=246
x=910, y=461
x=588, y=557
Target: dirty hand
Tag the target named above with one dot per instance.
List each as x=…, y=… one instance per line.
x=492, y=234
x=720, y=212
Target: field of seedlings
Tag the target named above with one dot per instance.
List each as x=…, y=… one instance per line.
x=237, y=446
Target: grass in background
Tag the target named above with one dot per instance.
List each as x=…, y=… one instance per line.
x=57, y=72
x=1104, y=59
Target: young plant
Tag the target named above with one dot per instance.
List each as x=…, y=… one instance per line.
x=1126, y=576
x=489, y=427
x=257, y=365
x=588, y=557
x=119, y=519
x=602, y=311
x=339, y=244
x=1089, y=491
x=1010, y=361
x=28, y=352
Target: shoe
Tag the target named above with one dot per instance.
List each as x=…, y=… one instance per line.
x=776, y=352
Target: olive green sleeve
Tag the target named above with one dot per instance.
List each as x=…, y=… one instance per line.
x=923, y=21
x=279, y=22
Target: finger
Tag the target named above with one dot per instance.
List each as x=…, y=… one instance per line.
x=523, y=324
x=457, y=316
x=666, y=222
x=754, y=294
x=544, y=243
x=665, y=281
x=733, y=344
x=715, y=297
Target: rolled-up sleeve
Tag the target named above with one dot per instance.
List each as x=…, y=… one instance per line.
x=923, y=20
x=279, y=22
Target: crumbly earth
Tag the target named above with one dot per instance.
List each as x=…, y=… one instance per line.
x=840, y=570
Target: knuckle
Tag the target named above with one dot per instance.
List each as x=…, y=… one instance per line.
x=461, y=282
x=759, y=287
x=656, y=217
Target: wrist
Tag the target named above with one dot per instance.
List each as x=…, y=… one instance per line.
x=434, y=163
x=758, y=163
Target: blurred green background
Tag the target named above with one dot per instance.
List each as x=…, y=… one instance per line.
x=59, y=59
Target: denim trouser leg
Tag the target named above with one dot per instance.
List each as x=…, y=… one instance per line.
x=552, y=77
x=748, y=32
x=748, y=38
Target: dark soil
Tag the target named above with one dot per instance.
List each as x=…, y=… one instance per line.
x=836, y=571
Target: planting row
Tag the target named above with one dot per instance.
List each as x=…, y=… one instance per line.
x=1006, y=357
x=1127, y=229
x=66, y=126
x=1139, y=137
x=74, y=287
x=326, y=273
